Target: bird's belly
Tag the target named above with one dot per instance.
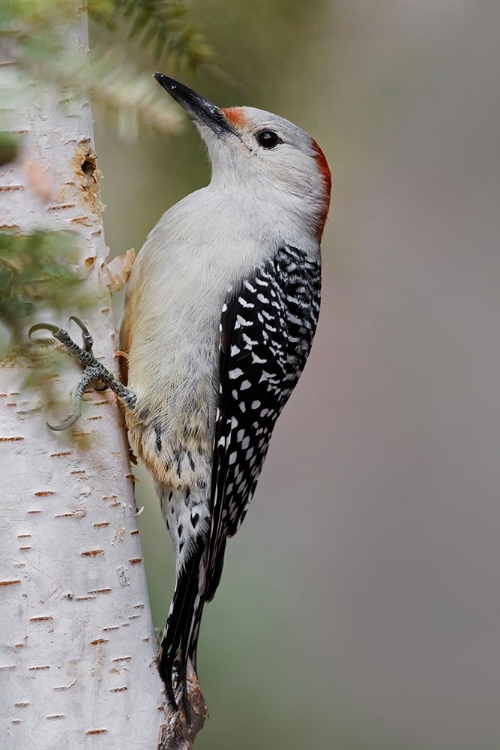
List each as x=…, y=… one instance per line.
x=176, y=386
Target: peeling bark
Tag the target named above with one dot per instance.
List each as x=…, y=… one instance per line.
x=77, y=645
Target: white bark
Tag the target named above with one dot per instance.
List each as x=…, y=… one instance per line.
x=76, y=636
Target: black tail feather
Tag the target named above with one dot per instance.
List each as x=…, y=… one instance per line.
x=182, y=622
x=214, y=575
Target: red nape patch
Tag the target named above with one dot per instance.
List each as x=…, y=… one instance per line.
x=235, y=116
x=324, y=170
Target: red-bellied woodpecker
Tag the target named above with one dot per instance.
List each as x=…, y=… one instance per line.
x=220, y=313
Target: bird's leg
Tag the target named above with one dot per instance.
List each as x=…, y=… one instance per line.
x=93, y=369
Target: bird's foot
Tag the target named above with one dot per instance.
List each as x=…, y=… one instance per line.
x=93, y=370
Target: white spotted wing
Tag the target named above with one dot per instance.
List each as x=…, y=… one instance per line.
x=266, y=332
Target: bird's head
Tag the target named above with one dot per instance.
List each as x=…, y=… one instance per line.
x=263, y=154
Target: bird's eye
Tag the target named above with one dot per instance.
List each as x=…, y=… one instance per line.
x=268, y=139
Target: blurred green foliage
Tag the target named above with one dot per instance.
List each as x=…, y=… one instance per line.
x=34, y=34
x=163, y=26
x=37, y=270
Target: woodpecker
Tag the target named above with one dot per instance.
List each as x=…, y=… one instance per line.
x=219, y=317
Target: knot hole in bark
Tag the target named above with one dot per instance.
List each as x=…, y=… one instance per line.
x=87, y=176
x=88, y=166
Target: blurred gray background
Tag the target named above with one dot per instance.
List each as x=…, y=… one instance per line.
x=360, y=602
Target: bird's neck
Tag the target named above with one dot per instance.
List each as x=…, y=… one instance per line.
x=272, y=213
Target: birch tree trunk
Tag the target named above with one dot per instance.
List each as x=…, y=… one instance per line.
x=76, y=638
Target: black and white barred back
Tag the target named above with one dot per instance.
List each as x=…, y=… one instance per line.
x=266, y=331
x=267, y=328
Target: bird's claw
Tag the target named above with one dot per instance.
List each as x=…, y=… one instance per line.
x=64, y=338
x=86, y=358
x=88, y=341
x=93, y=370
x=68, y=422
x=44, y=327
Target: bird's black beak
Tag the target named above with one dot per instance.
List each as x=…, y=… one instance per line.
x=197, y=107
